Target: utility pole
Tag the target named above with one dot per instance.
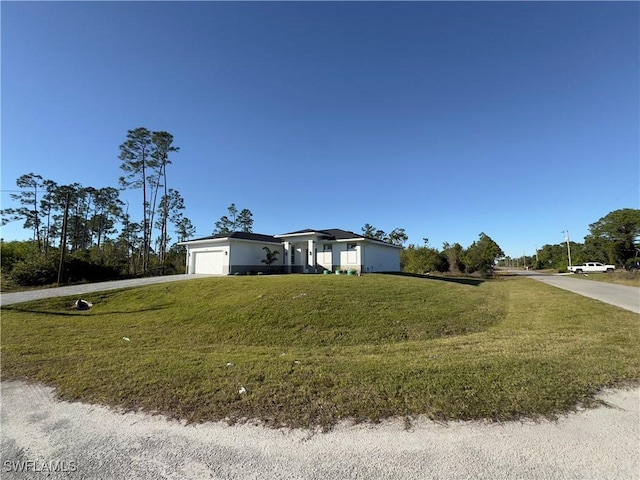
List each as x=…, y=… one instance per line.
x=568, y=245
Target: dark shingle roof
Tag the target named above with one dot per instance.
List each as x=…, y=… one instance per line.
x=244, y=236
x=333, y=234
x=255, y=236
x=329, y=234
x=306, y=230
x=340, y=234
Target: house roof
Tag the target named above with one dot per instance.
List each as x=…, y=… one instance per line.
x=335, y=234
x=340, y=234
x=258, y=237
x=328, y=234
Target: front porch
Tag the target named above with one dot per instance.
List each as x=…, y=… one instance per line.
x=315, y=255
x=302, y=257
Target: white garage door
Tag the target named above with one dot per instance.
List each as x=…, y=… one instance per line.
x=209, y=262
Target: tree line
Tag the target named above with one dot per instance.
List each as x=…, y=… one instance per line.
x=87, y=233
x=92, y=226
x=481, y=256
x=613, y=239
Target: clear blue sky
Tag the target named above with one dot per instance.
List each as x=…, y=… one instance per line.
x=519, y=120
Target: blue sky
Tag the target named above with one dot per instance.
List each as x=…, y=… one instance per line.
x=447, y=119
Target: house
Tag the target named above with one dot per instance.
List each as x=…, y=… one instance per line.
x=311, y=251
x=303, y=251
x=227, y=254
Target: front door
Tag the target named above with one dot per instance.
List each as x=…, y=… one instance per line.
x=297, y=259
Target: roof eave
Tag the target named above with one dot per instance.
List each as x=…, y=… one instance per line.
x=369, y=240
x=304, y=234
x=203, y=240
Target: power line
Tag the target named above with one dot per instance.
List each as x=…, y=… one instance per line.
x=611, y=202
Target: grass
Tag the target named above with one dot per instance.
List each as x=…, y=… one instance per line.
x=620, y=277
x=310, y=351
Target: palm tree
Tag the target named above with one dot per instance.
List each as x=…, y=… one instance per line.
x=271, y=257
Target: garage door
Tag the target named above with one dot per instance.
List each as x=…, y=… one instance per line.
x=209, y=262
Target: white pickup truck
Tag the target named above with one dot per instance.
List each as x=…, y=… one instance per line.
x=591, y=267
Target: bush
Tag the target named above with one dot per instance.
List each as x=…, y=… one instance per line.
x=34, y=271
x=40, y=269
x=422, y=260
x=16, y=251
x=77, y=269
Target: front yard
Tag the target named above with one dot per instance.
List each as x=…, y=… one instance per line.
x=308, y=351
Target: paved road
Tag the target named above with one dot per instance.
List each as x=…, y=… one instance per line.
x=622, y=296
x=19, y=297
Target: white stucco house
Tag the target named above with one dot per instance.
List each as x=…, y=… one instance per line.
x=303, y=251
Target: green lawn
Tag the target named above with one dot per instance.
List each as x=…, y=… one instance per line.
x=311, y=350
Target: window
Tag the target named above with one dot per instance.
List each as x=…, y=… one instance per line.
x=327, y=247
x=352, y=253
x=293, y=256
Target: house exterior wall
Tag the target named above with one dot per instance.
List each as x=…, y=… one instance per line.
x=307, y=254
x=379, y=258
x=235, y=256
x=339, y=256
x=324, y=257
x=348, y=256
x=365, y=257
x=247, y=256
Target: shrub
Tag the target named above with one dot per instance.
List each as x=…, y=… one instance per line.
x=16, y=251
x=420, y=260
x=40, y=269
x=34, y=271
x=77, y=269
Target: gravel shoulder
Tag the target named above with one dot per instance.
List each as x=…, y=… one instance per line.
x=95, y=442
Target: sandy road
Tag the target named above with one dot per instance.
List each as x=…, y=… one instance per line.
x=94, y=442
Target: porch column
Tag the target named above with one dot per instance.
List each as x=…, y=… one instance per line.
x=311, y=257
x=287, y=257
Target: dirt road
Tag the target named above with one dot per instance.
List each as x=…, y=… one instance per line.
x=93, y=442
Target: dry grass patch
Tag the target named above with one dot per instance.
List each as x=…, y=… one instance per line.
x=619, y=277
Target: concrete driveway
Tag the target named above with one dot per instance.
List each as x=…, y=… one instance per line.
x=622, y=296
x=79, y=290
